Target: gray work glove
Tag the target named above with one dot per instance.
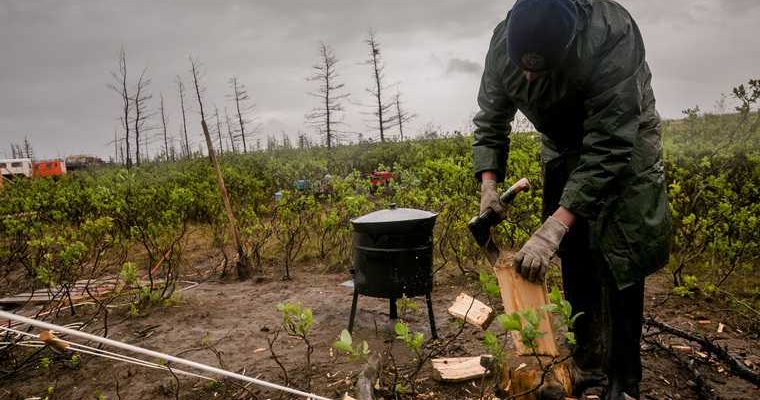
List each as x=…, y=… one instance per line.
x=489, y=198
x=532, y=260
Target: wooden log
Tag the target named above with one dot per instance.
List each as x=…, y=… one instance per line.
x=522, y=371
x=77, y=292
x=458, y=369
x=519, y=294
x=472, y=311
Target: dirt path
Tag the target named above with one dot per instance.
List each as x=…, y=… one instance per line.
x=235, y=319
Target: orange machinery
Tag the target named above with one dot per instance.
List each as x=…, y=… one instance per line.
x=41, y=169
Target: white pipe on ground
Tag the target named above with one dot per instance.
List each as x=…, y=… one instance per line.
x=156, y=354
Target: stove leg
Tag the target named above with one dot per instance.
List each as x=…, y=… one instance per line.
x=429, y=299
x=393, y=310
x=353, y=311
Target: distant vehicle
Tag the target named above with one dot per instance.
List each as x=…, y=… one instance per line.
x=380, y=178
x=82, y=161
x=15, y=167
x=47, y=168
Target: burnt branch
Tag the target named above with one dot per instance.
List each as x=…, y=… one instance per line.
x=719, y=351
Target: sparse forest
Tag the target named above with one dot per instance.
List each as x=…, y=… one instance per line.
x=120, y=251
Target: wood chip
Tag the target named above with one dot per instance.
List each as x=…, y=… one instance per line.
x=457, y=369
x=721, y=327
x=681, y=348
x=704, y=322
x=259, y=350
x=477, y=313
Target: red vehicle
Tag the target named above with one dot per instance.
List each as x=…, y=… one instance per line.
x=380, y=178
x=42, y=169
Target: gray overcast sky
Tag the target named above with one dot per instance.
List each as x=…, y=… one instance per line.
x=56, y=58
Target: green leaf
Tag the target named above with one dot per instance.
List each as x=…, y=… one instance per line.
x=555, y=296
x=345, y=336
x=570, y=337
x=401, y=330
x=343, y=346
x=509, y=322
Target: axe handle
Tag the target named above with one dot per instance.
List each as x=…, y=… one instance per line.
x=522, y=185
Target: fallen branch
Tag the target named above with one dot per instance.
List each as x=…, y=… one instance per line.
x=721, y=352
x=703, y=388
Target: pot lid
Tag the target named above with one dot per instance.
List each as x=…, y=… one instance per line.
x=394, y=214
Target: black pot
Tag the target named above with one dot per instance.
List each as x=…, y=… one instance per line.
x=393, y=253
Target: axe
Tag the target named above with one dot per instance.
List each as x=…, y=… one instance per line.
x=480, y=226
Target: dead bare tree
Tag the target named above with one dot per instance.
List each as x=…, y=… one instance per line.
x=218, y=129
x=141, y=114
x=162, y=110
x=119, y=85
x=382, y=112
x=326, y=117
x=230, y=130
x=243, y=266
x=243, y=109
x=402, y=116
x=28, y=150
x=181, y=88
x=22, y=150
x=115, y=145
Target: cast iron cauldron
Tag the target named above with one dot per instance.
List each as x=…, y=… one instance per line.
x=393, y=256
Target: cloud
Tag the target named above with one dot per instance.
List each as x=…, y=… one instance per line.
x=458, y=65
x=57, y=58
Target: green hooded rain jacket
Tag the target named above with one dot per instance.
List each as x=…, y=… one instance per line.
x=602, y=148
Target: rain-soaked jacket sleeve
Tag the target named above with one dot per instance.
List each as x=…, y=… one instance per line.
x=492, y=123
x=613, y=110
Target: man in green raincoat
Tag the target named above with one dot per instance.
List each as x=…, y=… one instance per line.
x=577, y=70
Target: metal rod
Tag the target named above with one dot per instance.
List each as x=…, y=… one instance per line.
x=151, y=353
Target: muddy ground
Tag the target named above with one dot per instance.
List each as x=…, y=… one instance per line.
x=228, y=323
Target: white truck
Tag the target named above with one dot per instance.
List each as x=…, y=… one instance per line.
x=15, y=167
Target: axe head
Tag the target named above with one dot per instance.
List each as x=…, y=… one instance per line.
x=480, y=226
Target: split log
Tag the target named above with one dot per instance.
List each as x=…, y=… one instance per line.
x=472, y=311
x=457, y=369
x=523, y=376
x=519, y=294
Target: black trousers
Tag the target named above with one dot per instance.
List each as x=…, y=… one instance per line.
x=608, y=334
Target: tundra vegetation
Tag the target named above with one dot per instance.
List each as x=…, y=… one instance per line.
x=133, y=222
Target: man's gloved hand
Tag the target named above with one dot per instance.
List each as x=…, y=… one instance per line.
x=489, y=198
x=532, y=260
